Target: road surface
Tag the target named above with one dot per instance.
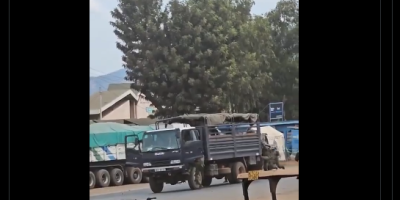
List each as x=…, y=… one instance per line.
x=259, y=190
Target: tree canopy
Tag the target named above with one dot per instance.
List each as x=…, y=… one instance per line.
x=211, y=55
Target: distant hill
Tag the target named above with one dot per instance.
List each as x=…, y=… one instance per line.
x=97, y=82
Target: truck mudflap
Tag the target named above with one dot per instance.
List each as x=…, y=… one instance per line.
x=212, y=170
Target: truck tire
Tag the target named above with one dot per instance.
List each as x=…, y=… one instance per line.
x=92, y=180
x=134, y=175
x=117, y=177
x=102, y=178
x=145, y=179
x=207, y=180
x=236, y=169
x=155, y=186
x=192, y=181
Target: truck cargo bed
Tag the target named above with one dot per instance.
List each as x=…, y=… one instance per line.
x=233, y=146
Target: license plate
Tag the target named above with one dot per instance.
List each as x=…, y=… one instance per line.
x=253, y=175
x=160, y=170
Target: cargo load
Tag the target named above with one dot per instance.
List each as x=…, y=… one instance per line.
x=111, y=133
x=107, y=140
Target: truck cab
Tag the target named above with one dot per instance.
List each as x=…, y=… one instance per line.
x=168, y=150
x=167, y=155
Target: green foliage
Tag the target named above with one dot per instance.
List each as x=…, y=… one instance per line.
x=211, y=55
x=284, y=21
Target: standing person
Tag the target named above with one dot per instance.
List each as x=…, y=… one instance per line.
x=265, y=151
x=251, y=129
x=270, y=155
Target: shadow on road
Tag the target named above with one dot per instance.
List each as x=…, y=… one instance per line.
x=204, y=188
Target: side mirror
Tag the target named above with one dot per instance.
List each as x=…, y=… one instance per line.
x=136, y=141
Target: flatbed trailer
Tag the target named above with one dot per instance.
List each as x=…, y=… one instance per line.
x=107, y=160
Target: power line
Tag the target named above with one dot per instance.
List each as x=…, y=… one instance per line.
x=106, y=79
x=109, y=81
x=101, y=103
x=108, y=75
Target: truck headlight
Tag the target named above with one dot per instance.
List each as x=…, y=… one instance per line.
x=175, y=161
x=146, y=164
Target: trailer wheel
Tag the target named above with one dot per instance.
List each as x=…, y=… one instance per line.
x=236, y=169
x=117, y=177
x=207, y=180
x=134, y=175
x=102, y=178
x=155, y=186
x=92, y=180
x=192, y=180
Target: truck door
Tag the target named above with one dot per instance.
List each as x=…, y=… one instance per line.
x=192, y=147
x=132, y=151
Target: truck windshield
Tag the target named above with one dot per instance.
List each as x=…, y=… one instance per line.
x=159, y=140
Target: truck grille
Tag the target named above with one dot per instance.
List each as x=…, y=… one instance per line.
x=160, y=163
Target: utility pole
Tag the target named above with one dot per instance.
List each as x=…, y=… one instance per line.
x=101, y=103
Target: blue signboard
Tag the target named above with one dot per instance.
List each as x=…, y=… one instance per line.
x=276, y=111
x=150, y=110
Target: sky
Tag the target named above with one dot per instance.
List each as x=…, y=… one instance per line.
x=104, y=55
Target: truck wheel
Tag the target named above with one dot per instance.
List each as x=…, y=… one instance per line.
x=92, y=180
x=145, y=179
x=207, y=181
x=134, y=175
x=155, y=186
x=236, y=169
x=102, y=178
x=117, y=177
x=193, y=184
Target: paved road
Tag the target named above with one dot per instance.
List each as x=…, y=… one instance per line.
x=287, y=188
